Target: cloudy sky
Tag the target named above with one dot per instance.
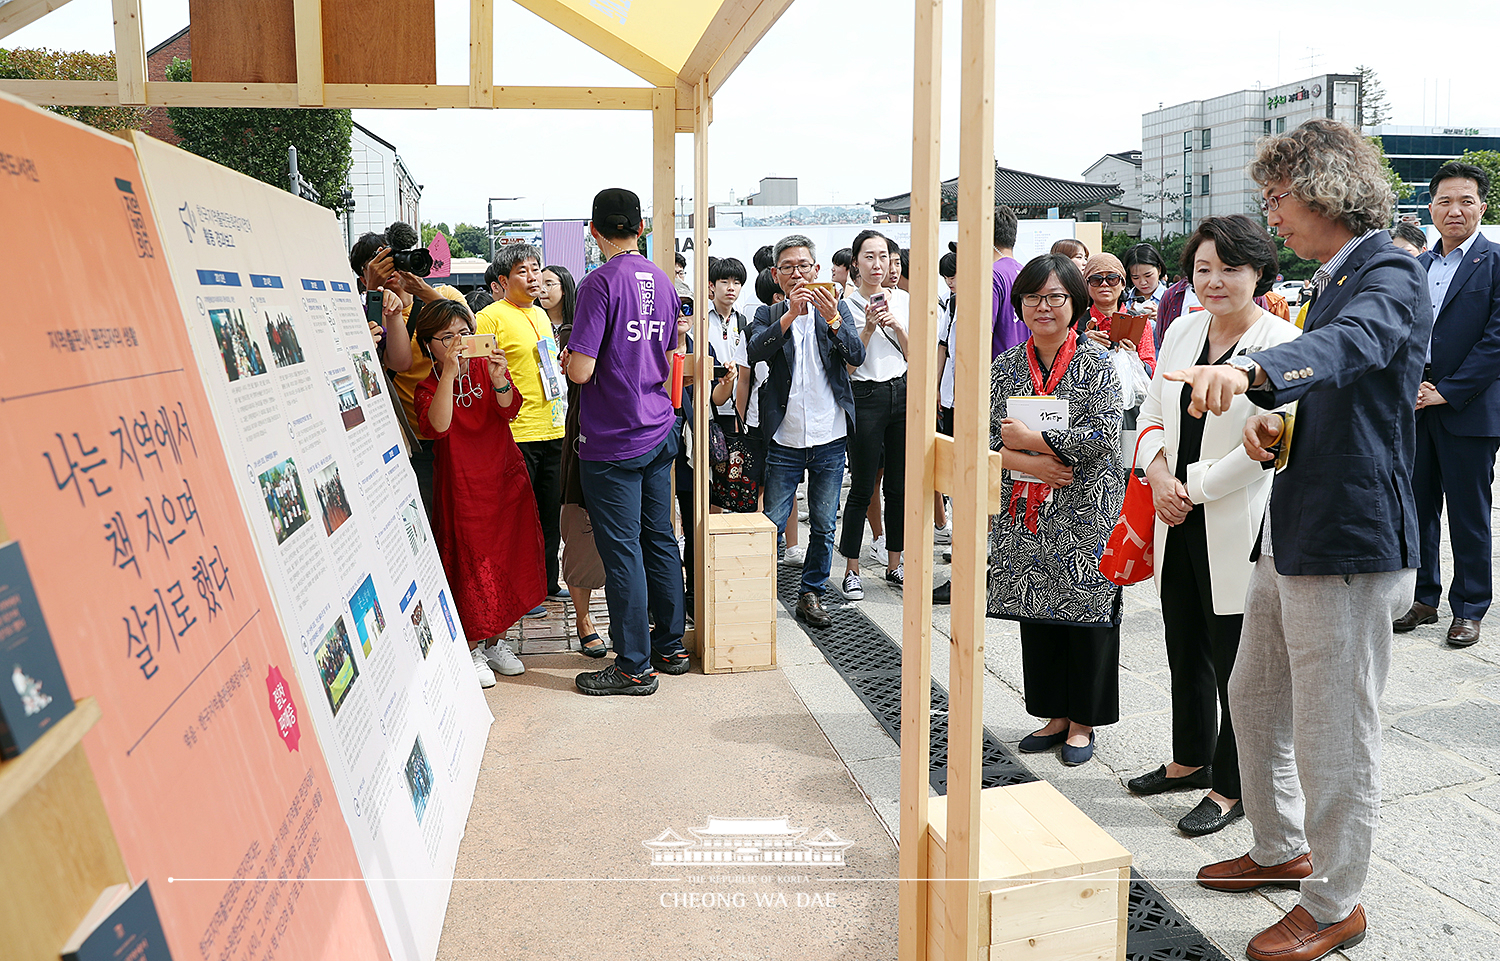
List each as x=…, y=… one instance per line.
x=826, y=96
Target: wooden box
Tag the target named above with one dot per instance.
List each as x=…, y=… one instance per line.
x=740, y=612
x=1053, y=885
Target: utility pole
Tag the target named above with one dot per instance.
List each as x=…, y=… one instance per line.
x=489, y=222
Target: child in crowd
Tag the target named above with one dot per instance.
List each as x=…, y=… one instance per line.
x=484, y=518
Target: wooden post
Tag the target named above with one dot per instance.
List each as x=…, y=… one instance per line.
x=703, y=409
x=130, y=52
x=481, y=53
x=921, y=417
x=307, y=20
x=663, y=176
x=976, y=215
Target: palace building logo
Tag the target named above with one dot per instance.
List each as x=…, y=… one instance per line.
x=748, y=841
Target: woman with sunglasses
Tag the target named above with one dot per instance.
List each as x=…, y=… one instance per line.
x=1106, y=278
x=1046, y=541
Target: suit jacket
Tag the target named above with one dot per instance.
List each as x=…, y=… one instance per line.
x=1344, y=505
x=1231, y=487
x=1466, y=345
x=776, y=347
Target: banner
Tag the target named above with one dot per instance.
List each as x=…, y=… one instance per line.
x=117, y=490
x=295, y=382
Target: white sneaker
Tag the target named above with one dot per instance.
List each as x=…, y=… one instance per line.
x=852, y=589
x=500, y=657
x=486, y=676
x=943, y=535
x=803, y=516
x=877, y=550
x=795, y=556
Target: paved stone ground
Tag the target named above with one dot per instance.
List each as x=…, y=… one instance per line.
x=1434, y=887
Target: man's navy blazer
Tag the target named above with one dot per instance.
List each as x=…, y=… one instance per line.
x=1344, y=505
x=1466, y=345
x=768, y=342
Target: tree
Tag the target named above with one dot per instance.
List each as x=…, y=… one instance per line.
x=1294, y=267
x=430, y=230
x=1489, y=161
x=1398, y=186
x=43, y=64
x=1373, y=110
x=472, y=240
x=254, y=140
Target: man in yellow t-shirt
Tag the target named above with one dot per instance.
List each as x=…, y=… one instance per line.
x=524, y=332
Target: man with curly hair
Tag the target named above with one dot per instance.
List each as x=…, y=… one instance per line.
x=1338, y=548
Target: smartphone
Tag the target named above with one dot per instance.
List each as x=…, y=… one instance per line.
x=479, y=345
x=878, y=300
x=374, y=304
x=829, y=286
x=720, y=371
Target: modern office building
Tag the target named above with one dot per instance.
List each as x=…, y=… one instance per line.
x=1122, y=215
x=1416, y=153
x=1194, y=154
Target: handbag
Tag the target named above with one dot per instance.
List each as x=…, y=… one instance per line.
x=734, y=483
x=1127, y=557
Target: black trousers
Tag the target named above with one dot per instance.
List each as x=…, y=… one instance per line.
x=422, y=463
x=1201, y=648
x=879, y=438
x=1072, y=672
x=544, y=464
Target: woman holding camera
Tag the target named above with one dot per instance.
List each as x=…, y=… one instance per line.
x=1144, y=268
x=484, y=517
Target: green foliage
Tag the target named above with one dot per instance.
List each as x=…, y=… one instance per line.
x=254, y=140
x=1489, y=161
x=1118, y=243
x=1292, y=266
x=1373, y=109
x=43, y=64
x=464, y=240
x=430, y=231
x=1394, y=179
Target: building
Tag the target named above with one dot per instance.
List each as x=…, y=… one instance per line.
x=176, y=47
x=1031, y=196
x=1194, y=154
x=384, y=190
x=748, y=841
x=1416, y=153
x=774, y=192
x=1123, y=168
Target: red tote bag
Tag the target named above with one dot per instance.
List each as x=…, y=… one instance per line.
x=1128, y=553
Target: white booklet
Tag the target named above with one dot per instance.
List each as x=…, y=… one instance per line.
x=1037, y=413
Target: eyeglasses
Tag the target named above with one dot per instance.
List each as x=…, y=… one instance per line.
x=551, y=283
x=1273, y=203
x=797, y=268
x=1035, y=300
x=447, y=339
x=1105, y=280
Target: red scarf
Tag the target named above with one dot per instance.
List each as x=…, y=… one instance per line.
x=1035, y=493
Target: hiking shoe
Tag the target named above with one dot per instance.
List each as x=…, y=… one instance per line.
x=612, y=680
x=671, y=664
x=503, y=660
x=897, y=576
x=486, y=676
x=852, y=589
x=795, y=556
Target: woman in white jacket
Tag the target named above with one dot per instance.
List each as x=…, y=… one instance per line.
x=1210, y=498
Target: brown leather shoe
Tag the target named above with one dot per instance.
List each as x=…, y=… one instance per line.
x=1243, y=874
x=1463, y=633
x=1419, y=614
x=810, y=608
x=1296, y=937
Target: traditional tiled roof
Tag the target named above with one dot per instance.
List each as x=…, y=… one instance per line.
x=1016, y=188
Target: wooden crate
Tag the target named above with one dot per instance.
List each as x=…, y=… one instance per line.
x=1053, y=885
x=740, y=613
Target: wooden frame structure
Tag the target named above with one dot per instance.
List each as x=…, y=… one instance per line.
x=680, y=99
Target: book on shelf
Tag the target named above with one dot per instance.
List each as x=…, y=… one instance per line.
x=121, y=925
x=33, y=691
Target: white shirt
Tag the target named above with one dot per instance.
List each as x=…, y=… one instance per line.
x=813, y=418
x=883, y=358
x=726, y=347
x=945, y=336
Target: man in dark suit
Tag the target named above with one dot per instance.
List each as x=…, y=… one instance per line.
x=1458, y=406
x=806, y=406
x=1338, y=550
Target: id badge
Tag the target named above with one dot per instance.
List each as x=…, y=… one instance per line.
x=546, y=361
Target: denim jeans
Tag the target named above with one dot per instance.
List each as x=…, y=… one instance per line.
x=630, y=505
x=825, y=475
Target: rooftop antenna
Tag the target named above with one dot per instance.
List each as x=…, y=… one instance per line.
x=1312, y=59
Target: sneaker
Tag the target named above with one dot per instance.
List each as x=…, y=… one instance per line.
x=561, y=594
x=795, y=556
x=947, y=557
x=851, y=588
x=897, y=577
x=539, y=611
x=504, y=661
x=803, y=516
x=942, y=535
x=877, y=550
x=943, y=593
x=674, y=664
x=612, y=680
x=482, y=668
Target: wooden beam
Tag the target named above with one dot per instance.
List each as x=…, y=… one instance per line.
x=971, y=438
x=744, y=40
x=664, y=177
x=393, y=96
x=15, y=14
x=481, y=53
x=161, y=93
x=575, y=98
x=594, y=34
x=64, y=93
x=703, y=410
x=717, y=34
x=915, y=891
x=944, y=472
x=307, y=25
x=130, y=52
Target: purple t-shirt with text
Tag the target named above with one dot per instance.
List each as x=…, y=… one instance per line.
x=1008, y=329
x=626, y=319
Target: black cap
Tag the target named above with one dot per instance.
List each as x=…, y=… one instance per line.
x=617, y=209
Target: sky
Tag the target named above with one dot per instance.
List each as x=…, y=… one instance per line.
x=826, y=95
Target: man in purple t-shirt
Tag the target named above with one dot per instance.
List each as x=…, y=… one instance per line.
x=1007, y=329
x=624, y=328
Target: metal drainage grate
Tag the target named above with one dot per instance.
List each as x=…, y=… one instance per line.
x=870, y=663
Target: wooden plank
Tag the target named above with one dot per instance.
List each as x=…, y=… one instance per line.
x=386, y=96
x=744, y=40
x=1090, y=845
x=1122, y=928
x=1092, y=942
x=307, y=17
x=160, y=93
x=943, y=468
x=243, y=41
x=742, y=545
x=743, y=565
x=573, y=98
x=1053, y=905
x=762, y=631
x=741, y=612
x=481, y=53
x=745, y=589
x=20, y=774
x=15, y=14
x=596, y=35
x=728, y=658
x=130, y=51
x=1032, y=836
x=703, y=413
x=731, y=523
x=396, y=45
x=916, y=927
x=64, y=93
x=664, y=177
x=716, y=35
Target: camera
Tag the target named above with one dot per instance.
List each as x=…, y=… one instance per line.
x=417, y=261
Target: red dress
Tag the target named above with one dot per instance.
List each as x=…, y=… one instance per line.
x=484, y=516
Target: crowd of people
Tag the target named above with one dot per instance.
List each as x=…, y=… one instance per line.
x=548, y=467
